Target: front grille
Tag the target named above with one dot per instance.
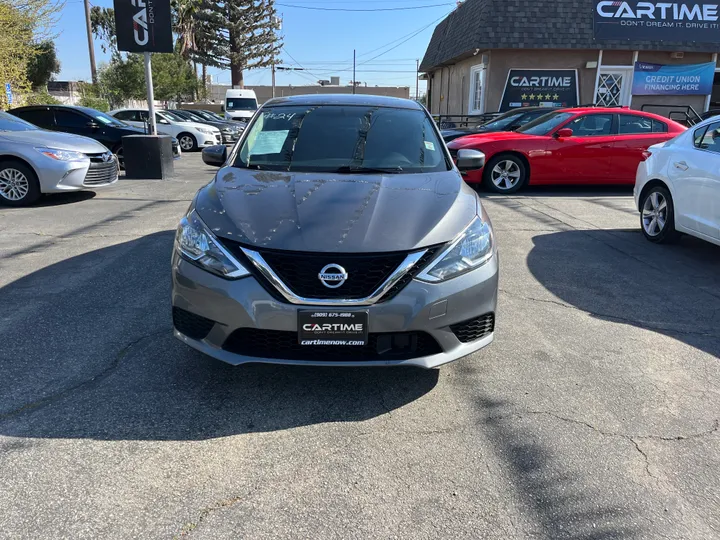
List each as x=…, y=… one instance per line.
x=218, y=138
x=101, y=172
x=408, y=277
x=284, y=346
x=193, y=326
x=474, y=329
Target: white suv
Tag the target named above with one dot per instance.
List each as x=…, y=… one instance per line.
x=191, y=135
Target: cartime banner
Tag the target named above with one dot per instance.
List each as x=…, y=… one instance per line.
x=540, y=88
x=143, y=25
x=676, y=80
x=657, y=21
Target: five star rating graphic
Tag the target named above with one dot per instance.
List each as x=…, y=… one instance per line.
x=539, y=97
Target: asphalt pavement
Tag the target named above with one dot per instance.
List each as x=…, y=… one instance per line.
x=593, y=415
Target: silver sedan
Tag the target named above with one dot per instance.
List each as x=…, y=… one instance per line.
x=34, y=161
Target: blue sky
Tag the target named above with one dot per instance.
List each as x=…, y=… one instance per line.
x=322, y=42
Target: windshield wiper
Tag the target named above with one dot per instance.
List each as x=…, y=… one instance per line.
x=359, y=169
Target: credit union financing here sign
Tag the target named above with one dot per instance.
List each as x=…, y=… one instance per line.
x=657, y=21
x=677, y=80
x=540, y=88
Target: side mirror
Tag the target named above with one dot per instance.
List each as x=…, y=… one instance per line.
x=470, y=160
x=563, y=133
x=163, y=121
x=215, y=156
x=93, y=125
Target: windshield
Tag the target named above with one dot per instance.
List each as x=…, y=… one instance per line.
x=191, y=115
x=502, y=121
x=343, y=139
x=241, y=104
x=103, y=118
x=167, y=115
x=8, y=122
x=545, y=124
x=209, y=115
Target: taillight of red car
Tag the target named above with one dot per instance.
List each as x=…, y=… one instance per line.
x=645, y=154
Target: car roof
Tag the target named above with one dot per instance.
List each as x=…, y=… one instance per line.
x=344, y=99
x=619, y=110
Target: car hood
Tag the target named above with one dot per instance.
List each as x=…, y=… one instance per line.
x=196, y=125
x=325, y=212
x=481, y=138
x=54, y=139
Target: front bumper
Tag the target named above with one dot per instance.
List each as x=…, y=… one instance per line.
x=428, y=308
x=230, y=138
x=57, y=176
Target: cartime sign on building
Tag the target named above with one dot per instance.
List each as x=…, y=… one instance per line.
x=143, y=25
x=660, y=21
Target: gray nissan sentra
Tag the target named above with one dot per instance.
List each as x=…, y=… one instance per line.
x=337, y=232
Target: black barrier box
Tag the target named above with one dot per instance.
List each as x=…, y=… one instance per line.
x=148, y=157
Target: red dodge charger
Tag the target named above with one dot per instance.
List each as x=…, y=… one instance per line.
x=569, y=146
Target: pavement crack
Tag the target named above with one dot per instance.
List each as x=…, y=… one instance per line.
x=645, y=457
x=204, y=513
x=647, y=325
x=87, y=383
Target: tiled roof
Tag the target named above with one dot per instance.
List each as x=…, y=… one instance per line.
x=528, y=24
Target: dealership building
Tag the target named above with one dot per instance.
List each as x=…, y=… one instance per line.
x=493, y=55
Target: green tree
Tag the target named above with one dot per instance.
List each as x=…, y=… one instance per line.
x=41, y=98
x=122, y=80
x=173, y=78
x=43, y=65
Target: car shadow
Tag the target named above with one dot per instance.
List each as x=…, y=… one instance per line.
x=103, y=363
x=562, y=191
x=617, y=275
x=59, y=199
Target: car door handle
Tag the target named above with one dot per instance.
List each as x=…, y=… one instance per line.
x=681, y=165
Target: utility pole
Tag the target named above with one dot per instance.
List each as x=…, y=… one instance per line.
x=93, y=70
x=353, y=68
x=417, y=79
x=273, y=79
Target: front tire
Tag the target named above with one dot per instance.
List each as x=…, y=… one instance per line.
x=505, y=173
x=19, y=184
x=657, y=216
x=188, y=143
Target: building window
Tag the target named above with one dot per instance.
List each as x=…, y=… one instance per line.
x=477, y=88
x=613, y=89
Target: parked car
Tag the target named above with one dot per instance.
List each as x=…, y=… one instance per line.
x=508, y=121
x=230, y=132
x=591, y=145
x=677, y=189
x=328, y=239
x=35, y=161
x=82, y=121
x=209, y=115
x=191, y=135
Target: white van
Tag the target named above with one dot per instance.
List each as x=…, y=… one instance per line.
x=240, y=104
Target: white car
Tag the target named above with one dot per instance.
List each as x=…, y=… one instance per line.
x=191, y=135
x=677, y=187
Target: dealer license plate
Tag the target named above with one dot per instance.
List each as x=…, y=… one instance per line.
x=337, y=328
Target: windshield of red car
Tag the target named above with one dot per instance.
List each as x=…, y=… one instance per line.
x=545, y=124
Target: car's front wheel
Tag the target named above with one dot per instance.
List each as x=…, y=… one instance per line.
x=505, y=174
x=187, y=142
x=19, y=185
x=657, y=215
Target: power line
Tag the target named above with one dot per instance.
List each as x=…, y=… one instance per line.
x=366, y=10
x=408, y=38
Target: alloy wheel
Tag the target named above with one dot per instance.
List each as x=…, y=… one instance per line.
x=14, y=185
x=654, y=213
x=186, y=143
x=506, y=174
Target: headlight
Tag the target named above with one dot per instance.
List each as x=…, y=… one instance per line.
x=227, y=129
x=63, y=155
x=205, y=130
x=471, y=249
x=198, y=245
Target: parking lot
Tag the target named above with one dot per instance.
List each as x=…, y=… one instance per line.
x=594, y=414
